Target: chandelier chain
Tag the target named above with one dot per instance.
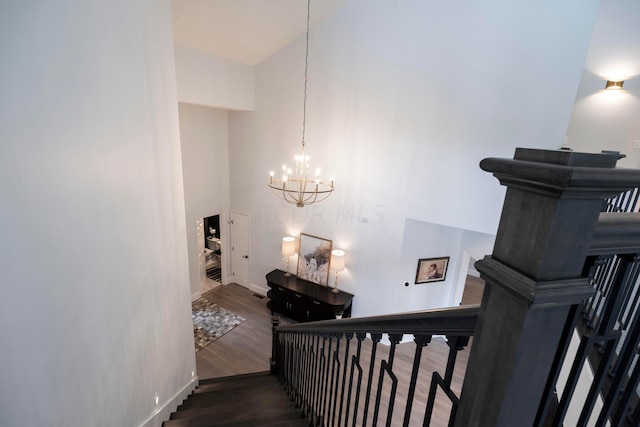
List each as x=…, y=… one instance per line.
x=306, y=68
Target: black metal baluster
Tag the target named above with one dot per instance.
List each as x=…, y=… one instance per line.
x=273, y=363
x=629, y=282
x=626, y=400
x=634, y=203
x=290, y=357
x=316, y=375
x=599, y=266
x=307, y=373
x=608, y=271
x=325, y=381
x=303, y=370
x=586, y=341
x=348, y=337
x=629, y=275
x=297, y=369
x=421, y=342
x=455, y=344
x=375, y=338
x=592, y=268
x=608, y=350
x=320, y=391
x=621, y=201
x=628, y=201
x=281, y=357
x=634, y=417
x=292, y=363
x=333, y=397
x=387, y=366
x=288, y=350
x=624, y=363
x=556, y=367
x=355, y=363
x=632, y=302
x=319, y=374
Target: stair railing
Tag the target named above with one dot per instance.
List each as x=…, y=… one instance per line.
x=535, y=284
x=324, y=367
x=606, y=331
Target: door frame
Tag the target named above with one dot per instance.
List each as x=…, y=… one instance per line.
x=463, y=271
x=233, y=236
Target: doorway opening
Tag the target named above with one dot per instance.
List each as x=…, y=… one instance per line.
x=470, y=287
x=211, y=271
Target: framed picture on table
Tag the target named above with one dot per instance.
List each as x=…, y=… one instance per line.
x=432, y=270
x=314, y=258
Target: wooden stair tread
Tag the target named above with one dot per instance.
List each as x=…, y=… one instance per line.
x=227, y=385
x=224, y=403
x=245, y=400
x=234, y=378
x=299, y=422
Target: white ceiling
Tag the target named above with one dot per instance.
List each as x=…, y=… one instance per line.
x=245, y=31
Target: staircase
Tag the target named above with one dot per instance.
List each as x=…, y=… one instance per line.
x=244, y=400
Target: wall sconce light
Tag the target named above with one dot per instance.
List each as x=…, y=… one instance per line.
x=611, y=85
x=288, y=249
x=337, y=265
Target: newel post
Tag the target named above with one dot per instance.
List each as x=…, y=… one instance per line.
x=533, y=277
x=273, y=362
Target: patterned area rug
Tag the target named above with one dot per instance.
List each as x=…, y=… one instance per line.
x=210, y=322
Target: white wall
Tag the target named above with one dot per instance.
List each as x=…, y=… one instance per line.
x=405, y=98
x=206, y=79
x=415, y=245
x=608, y=120
x=95, y=308
x=205, y=165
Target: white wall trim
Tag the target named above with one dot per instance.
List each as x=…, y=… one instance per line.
x=258, y=289
x=195, y=296
x=164, y=412
x=456, y=298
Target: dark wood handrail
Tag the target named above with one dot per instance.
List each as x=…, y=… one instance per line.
x=457, y=321
x=324, y=370
x=616, y=233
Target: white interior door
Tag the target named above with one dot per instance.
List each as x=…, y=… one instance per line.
x=240, y=248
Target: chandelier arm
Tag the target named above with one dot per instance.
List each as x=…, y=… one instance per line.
x=279, y=194
x=288, y=192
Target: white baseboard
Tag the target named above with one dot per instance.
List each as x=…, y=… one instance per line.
x=196, y=296
x=163, y=413
x=258, y=289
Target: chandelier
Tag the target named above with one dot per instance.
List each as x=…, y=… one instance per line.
x=296, y=186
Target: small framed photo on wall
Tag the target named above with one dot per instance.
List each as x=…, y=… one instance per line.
x=432, y=270
x=314, y=258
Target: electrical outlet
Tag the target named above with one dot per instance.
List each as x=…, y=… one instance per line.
x=636, y=144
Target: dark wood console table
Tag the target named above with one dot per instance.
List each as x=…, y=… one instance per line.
x=305, y=301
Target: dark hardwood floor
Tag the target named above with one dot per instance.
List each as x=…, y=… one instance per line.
x=247, y=347
x=473, y=290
